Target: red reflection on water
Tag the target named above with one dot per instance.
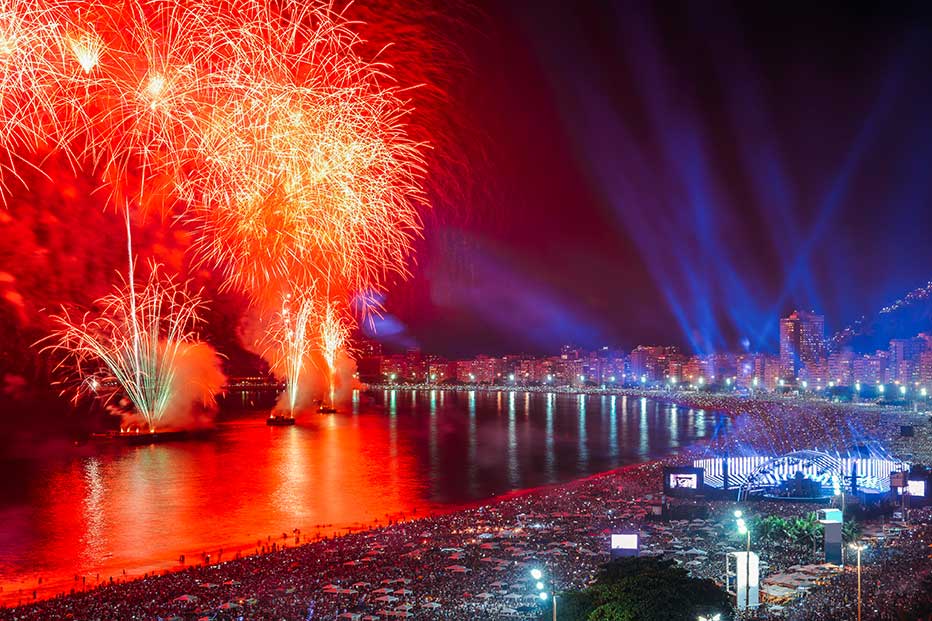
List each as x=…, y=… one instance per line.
x=140, y=508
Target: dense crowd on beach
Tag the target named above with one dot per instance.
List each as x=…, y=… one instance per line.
x=476, y=563
x=896, y=579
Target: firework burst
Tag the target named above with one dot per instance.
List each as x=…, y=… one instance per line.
x=285, y=148
x=131, y=344
x=289, y=344
x=261, y=124
x=333, y=333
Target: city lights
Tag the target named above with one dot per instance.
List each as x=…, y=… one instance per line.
x=434, y=310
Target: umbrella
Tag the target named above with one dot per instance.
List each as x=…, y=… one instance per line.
x=185, y=598
x=456, y=569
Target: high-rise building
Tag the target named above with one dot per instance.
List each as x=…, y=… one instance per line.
x=802, y=342
x=871, y=369
x=924, y=369
x=840, y=367
x=904, y=358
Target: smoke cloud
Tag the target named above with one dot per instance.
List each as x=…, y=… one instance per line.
x=198, y=378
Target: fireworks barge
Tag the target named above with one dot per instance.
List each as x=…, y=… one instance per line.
x=279, y=421
x=136, y=438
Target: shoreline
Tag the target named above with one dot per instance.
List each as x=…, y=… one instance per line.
x=689, y=398
x=626, y=476
x=61, y=587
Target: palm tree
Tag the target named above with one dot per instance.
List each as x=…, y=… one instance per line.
x=850, y=531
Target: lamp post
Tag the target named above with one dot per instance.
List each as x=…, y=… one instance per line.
x=858, y=547
x=538, y=575
x=744, y=530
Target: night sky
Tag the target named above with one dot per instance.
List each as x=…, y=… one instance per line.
x=678, y=173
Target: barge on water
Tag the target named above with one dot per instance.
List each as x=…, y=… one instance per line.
x=147, y=437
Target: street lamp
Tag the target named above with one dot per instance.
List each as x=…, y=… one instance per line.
x=538, y=575
x=744, y=530
x=858, y=547
x=715, y=617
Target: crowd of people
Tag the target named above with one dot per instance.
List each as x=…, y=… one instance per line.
x=896, y=579
x=476, y=563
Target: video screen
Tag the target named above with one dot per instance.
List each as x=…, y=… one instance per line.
x=625, y=541
x=684, y=481
x=916, y=488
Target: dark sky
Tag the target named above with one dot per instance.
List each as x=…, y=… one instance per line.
x=678, y=173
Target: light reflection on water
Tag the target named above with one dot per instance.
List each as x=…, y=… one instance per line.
x=105, y=509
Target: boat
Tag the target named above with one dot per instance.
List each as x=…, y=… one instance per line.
x=146, y=437
x=276, y=420
x=325, y=408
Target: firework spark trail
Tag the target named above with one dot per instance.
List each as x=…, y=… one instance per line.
x=289, y=345
x=286, y=149
x=333, y=336
x=132, y=344
x=259, y=123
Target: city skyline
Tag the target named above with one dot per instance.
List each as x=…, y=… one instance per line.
x=803, y=363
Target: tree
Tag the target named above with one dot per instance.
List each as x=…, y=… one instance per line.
x=644, y=589
x=850, y=531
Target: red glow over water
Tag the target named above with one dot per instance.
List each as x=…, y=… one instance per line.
x=140, y=508
x=102, y=510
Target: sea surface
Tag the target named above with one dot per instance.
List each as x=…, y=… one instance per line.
x=83, y=514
